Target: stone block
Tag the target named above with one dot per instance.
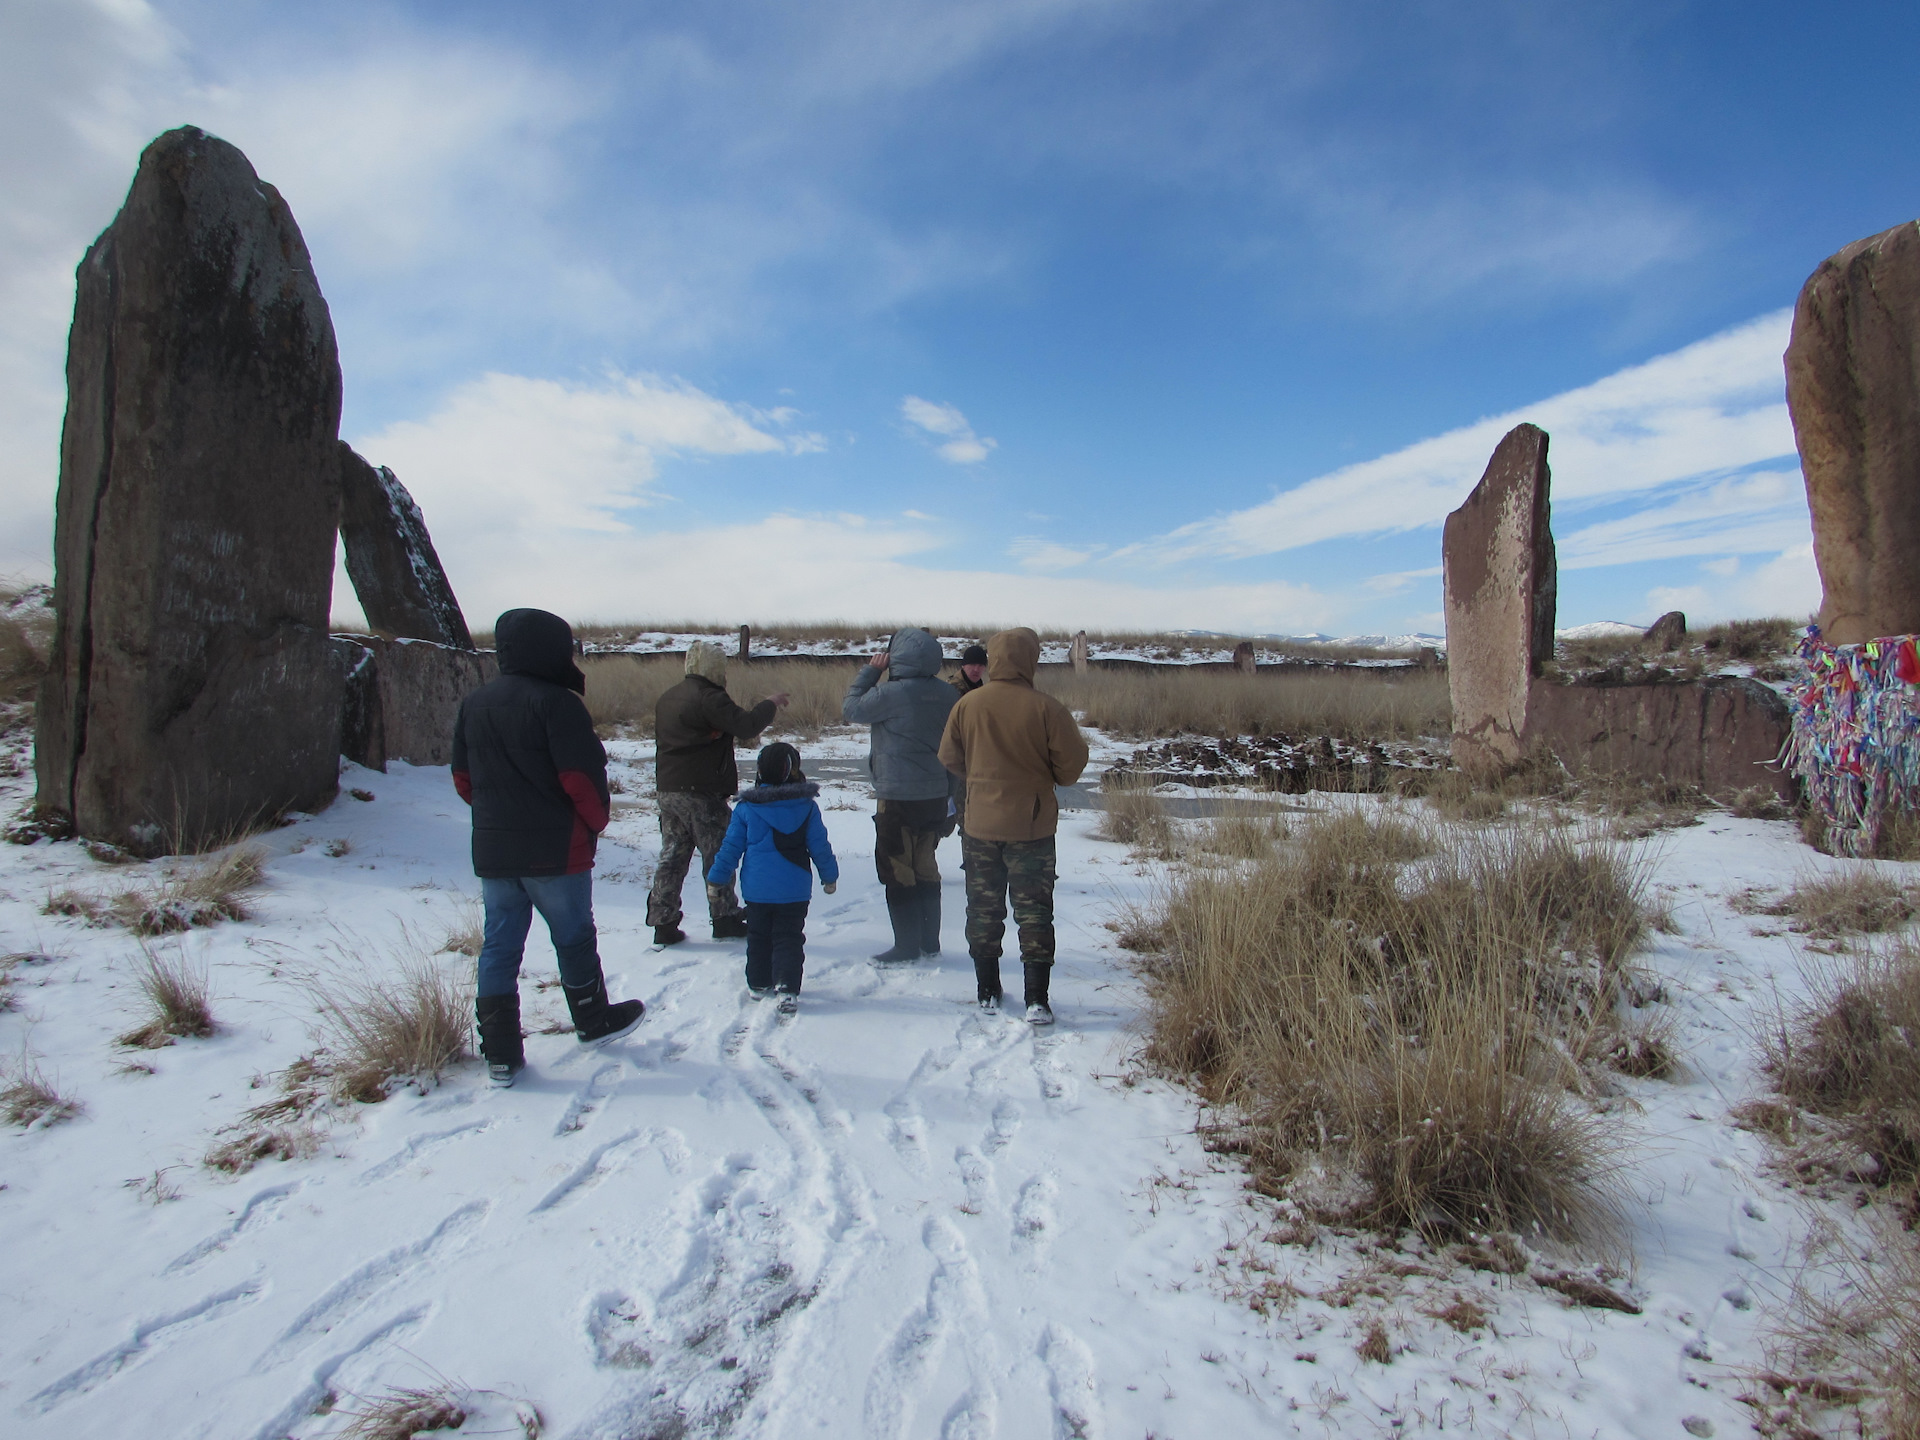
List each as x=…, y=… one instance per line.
x=1668, y=633
x=403, y=590
x=190, y=692
x=1500, y=585
x=1718, y=735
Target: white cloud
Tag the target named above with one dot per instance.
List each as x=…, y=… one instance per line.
x=1787, y=584
x=1765, y=511
x=1713, y=407
x=507, y=455
x=1041, y=556
x=945, y=422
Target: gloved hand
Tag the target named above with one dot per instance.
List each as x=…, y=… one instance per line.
x=827, y=887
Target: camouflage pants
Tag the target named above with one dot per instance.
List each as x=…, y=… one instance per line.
x=997, y=869
x=689, y=823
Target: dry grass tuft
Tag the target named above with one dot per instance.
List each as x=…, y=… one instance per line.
x=1851, y=1052
x=1758, y=802
x=269, y=1142
x=1374, y=1345
x=1246, y=835
x=29, y=1099
x=401, y=1414
x=1131, y=814
x=178, y=1003
x=283, y=1128
x=1396, y=1038
x=1850, y=1343
x=1848, y=902
x=190, y=893
x=410, y=1023
x=1347, y=704
x=468, y=932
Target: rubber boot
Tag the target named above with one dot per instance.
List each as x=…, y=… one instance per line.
x=730, y=927
x=595, y=1021
x=1037, y=976
x=927, y=893
x=903, y=909
x=668, y=934
x=498, y=1019
x=986, y=981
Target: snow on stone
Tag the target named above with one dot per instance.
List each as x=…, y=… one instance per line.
x=890, y=1217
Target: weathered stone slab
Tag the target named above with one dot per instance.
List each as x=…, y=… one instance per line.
x=1718, y=734
x=191, y=692
x=1244, y=659
x=1077, y=652
x=1667, y=633
x=403, y=697
x=1853, y=389
x=402, y=586
x=1500, y=585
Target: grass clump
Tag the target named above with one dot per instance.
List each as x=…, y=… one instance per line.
x=283, y=1128
x=29, y=1099
x=622, y=691
x=177, y=1000
x=1405, y=704
x=191, y=893
x=1848, y=902
x=1132, y=814
x=410, y=1023
x=1393, y=1039
x=1244, y=835
x=1851, y=1052
x=401, y=1414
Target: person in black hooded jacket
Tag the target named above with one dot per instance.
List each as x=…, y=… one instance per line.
x=526, y=759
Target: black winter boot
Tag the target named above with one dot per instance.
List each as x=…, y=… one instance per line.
x=1037, y=976
x=498, y=1018
x=986, y=982
x=668, y=934
x=730, y=927
x=903, y=909
x=594, y=1020
x=928, y=895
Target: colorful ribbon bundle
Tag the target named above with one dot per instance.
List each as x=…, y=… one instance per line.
x=1856, y=735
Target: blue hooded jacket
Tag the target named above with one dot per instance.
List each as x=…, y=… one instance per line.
x=775, y=831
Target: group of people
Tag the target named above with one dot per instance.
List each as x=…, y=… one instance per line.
x=980, y=753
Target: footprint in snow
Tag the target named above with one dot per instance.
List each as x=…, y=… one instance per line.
x=148, y=1336
x=261, y=1208
x=588, y=1099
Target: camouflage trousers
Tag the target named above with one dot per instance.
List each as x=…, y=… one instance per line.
x=995, y=870
x=689, y=823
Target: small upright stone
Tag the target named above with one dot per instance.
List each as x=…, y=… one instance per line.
x=191, y=691
x=1853, y=389
x=1243, y=657
x=1500, y=583
x=402, y=588
x=1077, y=652
x=1668, y=633
x=746, y=639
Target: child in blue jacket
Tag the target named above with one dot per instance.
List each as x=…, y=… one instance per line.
x=775, y=835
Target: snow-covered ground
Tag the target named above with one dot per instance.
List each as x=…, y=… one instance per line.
x=892, y=1216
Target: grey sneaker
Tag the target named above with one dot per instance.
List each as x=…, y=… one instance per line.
x=990, y=1004
x=1039, y=1014
x=759, y=992
x=502, y=1074
x=789, y=1004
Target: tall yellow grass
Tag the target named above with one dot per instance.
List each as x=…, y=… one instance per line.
x=1395, y=1039
x=623, y=690
x=1404, y=704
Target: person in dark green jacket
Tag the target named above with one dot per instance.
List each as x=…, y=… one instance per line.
x=696, y=724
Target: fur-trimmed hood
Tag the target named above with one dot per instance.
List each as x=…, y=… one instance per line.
x=773, y=794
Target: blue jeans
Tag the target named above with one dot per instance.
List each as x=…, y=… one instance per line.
x=565, y=902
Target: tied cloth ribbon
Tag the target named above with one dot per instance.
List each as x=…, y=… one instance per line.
x=1855, y=741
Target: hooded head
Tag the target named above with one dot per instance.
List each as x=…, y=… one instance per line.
x=1013, y=655
x=779, y=765
x=537, y=644
x=913, y=654
x=708, y=661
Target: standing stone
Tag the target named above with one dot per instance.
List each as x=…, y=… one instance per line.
x=191, y=691
x=1668, y=633
x=1500, y=581
x=1853, y=389
x=746, y=632
x=1077, y=652
x=1243, y=658
x=390, y=558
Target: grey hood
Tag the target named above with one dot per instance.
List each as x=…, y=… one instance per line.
x=908, y=712
x=914, y=654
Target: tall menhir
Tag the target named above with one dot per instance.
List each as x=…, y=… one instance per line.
x=191, y=693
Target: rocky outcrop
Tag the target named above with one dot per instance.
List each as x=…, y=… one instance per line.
x=403, y=696
x=1668, y=633
x=402, y=587
x=1500, y=586
x=1718, y=735
x=1853, y=388
x=191, y=692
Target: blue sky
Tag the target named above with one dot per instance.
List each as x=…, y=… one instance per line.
x=1103, y=313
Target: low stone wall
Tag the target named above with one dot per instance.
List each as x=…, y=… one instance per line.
x=402, y=697
x=1720, y=734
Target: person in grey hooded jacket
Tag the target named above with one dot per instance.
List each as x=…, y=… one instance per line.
x=900, y=694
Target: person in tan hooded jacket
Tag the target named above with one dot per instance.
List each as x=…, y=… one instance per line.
x=1012, y=745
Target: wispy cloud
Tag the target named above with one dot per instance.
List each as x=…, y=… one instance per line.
x=958, y=442
x=1710, y=409
x=1044, y=556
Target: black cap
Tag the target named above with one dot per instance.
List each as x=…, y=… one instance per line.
x=779, y=764
x=974, y=655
